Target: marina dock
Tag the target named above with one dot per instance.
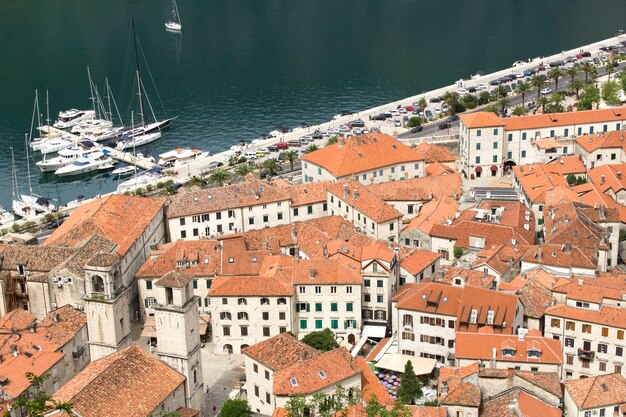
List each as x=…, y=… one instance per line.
x=130, y=159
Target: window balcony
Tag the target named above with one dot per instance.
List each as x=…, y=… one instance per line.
x=586, y=354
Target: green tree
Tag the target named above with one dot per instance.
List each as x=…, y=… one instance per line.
x=503, y=102
x=311, y=148
x=415, y=121
x=502, y=91
x=554, y=74
x=610, y=93
x=235, y=408
x=543, y=101
x=410, y=388
x=572, y=72
x=195, y=181
x=36, y=402
x=170, y=187
x=576, y=86
x=233, y=160
x=291, y=156
x=458, y=252
x=470, y=101
x=219, y=177
x=589, y=95
x=522, y=89
x=323, y=340
x=331, y=140
x=622, y=80
x=484, y=97
x=518, y=111
x=422, y=103
x=554, y=104
x=271, y=165
x=538, y=82
x=244, y=169
x=297, y=406
x=610, y=68
x=451, y=99
x=588, y=69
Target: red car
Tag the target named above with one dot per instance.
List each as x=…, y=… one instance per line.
x=282, y=145
x=409, y=108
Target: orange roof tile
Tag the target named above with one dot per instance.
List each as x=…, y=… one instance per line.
x=481, y=119
x=418, y=260
x=607, y=315
x=451, y=376
x=280, y=352
x=591, y=195
x=608, y=177
x=564, y=119
x=434, y=153
x=567, y=165
x=305, y=194
x=98, y=389
x=174, y=279
x=480, y=346
x=310, y=271
x=370, y=384
x=252, y=286
x=471, y=277
x=358, y=196
x=501, y=258
x=372, y=355
x=463, y=394
x=431, y=213
x=517, y=402
x=313, y=374
x=437, y=168
x=199, y=253
x=555, y=255
x=362, y=153
x=548, y=143
x=597, y=391
x=602, y=140
x=537, y=179
x=117, y=218
x=418, y=189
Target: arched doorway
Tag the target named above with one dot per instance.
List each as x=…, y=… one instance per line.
x=351, y=339
x=228, y=349
x=508, y=166
x=494, y=170
x=243, y=347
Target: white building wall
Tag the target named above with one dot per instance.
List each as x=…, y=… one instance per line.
x=395, y=172
x=410, y=336
x=309, y=211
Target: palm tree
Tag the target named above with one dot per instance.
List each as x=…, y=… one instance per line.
x=233, y=160
x=538, y=81
x=271, y=166
x=609, y=68
x=519, y=111
x=170, y=187
x=219, y=177
x=502, y=103
x=572, y=72
x=577, y=85
x=332, y=140
x=484, y=97
x=311, y=148
x=522, y=88
x=195, y=181
x=543, y=101
x=291, y=156
x=555, y=74
x=244, y=169
x=587, y=68
x=502, y=91
x=422, y=103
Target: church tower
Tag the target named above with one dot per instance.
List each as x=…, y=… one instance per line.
x=106, y=306
x=178, y=338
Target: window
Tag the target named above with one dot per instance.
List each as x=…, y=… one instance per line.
x=282, y=315
x=224, y=301
x=265, y=301
x=478, y=159
x=196, y=232
x=318, y=323
x=266, y=315
x=333, y=290
x=148, y=284
x=524, y=136
x=318, y=307
x=495, y=158
x=478, y=146
x=605, y=331
x=183, y=234
x=380, y=283
x=333, y=306
x=349, y=289
x=602, y=366
x=303, y=324
x=301, y=290
x=242, y=315
x=570, y=325
x=266, y=218
x=266, y=331
x=379, y=298
x=295, y=212
x=534, y=353
x=603, y=348
x=585, y=364
x=509, y=352
x=250, y=220
x=523, y=154
x=495, y=131
x=218, y=216
x=224, y=315
x=255, y=367
x=318, y=290
x=495, y=145
x=510, y=137
x=586, y=328
x=569, y=342
x=478, y=133
x=334, y=324
x=268, y=399
x=279, y=216
x=509, y=155
x=282, y=330
x=282, y=301
x=555, y=323
x=182, y=221
x=618, y=369
x=244, y=330
x=613, y=157
x=309, y=209
x=569, y=359
x=591, y=130
x=367, y=298
x=256, y=391
x=552, y=133
x=195, y=284
x=619, y=351
x=620, y=334
x=226, y=330
x=349, y=307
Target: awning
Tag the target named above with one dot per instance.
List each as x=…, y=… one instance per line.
x=149, y=328
x=371, y=330
x=479, y=169
x=396, y=361
x=494, y=168
x=203, y=323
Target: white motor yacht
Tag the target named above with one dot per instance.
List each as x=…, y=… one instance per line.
x=123, y=170
x=86, y=125
x=6, y=218
x=72, y=117
x=31, y=206
x=101, y=134
x=87, y=163
x=130, y=142
x=180, y=156
x=47, y=146
x=140, y=180
x=67, y=156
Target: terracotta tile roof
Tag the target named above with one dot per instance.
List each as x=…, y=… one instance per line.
x=437, y=168
x=280, y=352
x=109, y=386
x=500, y=258
x=117, y=218
x=34, y=258
x=567, y=165
x=464, y=394
x=305, y=194
x=591, y=195
x=362, y=153
x=84, y=252
x=103, y=260
x=63, y=328
x=451, y=376
x=586, y=290
x=602, y=140
x=607, y=315
x=548, y=143
x=372, y=355
x=535, y=298
x=320, y=371
x=539, y=275
x=564, y=119
x=480, y=346
x=608, y=177
x=418, y=189
x=358, y=196
x=187, y=412
x=418, y=260
x=434, y=153
x=370, y=384
x=236, y=259
x=537, y=179
x=548, y=381
x=427, y=411
x=201, y=255
x=555, y=255
x=597, y=391
x=251, y=192
x=310, y=271
x=174, y=279
x=518, y=403
x=258, y=286
x=432, y=212
x=481, y=119
x=512, y=225
x=471, y=277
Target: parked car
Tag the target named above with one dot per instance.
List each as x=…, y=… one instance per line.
x=357, y=131
x=282, y=145
x=272, y=148
x=444, y=125
x=317, y=135
x=546, y=90
x=261, y=153
x=379, y=117
x=452, y=118
x=249, y=155
x=55, y=224
x=417, y=129
x=397, y=123
x=215, y=165
x=405, y=120
x=357, y=123
x=435, y=100
x=429, y=114
x=294, y=142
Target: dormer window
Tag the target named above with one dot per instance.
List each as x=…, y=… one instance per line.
x=265, y=301
x=242, y=301
x=294, y=382
x=473, y=317
x=231, y=260
x=508, y=352
x=490, y=316
x=534, y=353
x=179, y=263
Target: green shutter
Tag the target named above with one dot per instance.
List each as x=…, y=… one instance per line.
x=318, y=306
x=145, y=302
x=333, y=306
x=334, y=324
x=195, y=284
x=348, y=306
x=318, y=324
x=303, y=324
x=308, y=307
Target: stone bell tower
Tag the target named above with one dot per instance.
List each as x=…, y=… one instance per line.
x=178, y=338
x=106, y=306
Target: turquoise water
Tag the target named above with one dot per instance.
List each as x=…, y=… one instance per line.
x=242, y=67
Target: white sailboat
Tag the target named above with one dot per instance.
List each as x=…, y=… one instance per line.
x=140, y=180
x=174, y=24
x=28, y=206
x=6, y=218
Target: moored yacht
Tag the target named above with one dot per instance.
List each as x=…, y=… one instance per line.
x=129, y=142
x=87, y=163
x=6, y=217
x=67, y=156
x=85, y=125
x=140, y=180
x=46, y=146
x=101, y=133
x=72, y=117
x=181, y=156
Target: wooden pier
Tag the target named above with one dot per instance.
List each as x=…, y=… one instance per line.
x=130, y=159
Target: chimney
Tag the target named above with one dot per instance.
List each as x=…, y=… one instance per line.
x=312, y=273
x=57, y=318
x=346, y=191
x=449, y=220
x=568, y=247
x=302, y=355
x=430, y=196
x=33, y=328
x=325, y=251
x=580, y=281
x=602, y=212
x=457, y=214
x=619, y=174
x=355, y=193
x=340, y=142
x=601, y=179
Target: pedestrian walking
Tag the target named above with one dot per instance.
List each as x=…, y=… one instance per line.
x=230, y=358
x=214, y=409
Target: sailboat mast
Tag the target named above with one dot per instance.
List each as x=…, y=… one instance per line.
x=30, y=185
x=47, y=110
x=139, y=86
x=106, y=81
x=14, y=190
x=91, y=92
